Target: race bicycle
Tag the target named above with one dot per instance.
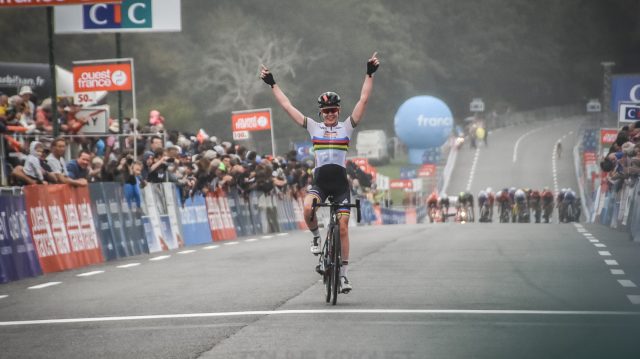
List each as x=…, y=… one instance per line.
x=330, y=259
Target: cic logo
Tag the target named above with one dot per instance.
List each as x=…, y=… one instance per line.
x=129, y=14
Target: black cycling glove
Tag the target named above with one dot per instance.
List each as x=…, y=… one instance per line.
x=268, y=79
x=371, y=67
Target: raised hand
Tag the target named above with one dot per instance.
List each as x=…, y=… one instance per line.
x=372, y=64
x=267, y=76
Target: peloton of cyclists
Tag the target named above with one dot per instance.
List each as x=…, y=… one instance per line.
x=519, y=205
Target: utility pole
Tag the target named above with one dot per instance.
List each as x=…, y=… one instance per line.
x=606, y=91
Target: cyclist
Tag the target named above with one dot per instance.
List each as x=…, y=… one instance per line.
x=547, y=203
x=444, y=206
x=491, y=197
x=512, y=194
x=483, y=205
x=504, y=203
x=569, y=200
x=432, y=204
x=535, y=205
x=330, y=143
x=562, y=208
x=559, y=149
x=465, y=199
x=520, y=208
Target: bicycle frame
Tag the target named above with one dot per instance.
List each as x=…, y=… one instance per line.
x=331, y=255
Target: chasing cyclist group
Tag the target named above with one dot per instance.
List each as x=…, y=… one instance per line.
x=515, y=205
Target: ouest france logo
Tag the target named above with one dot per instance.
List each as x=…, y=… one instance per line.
x=127, y=15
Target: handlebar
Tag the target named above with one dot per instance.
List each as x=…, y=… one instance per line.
x=336, y=205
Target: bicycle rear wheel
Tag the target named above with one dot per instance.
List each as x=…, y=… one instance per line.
x=337, y=263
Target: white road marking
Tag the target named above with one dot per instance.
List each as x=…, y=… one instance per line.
x=634, y=299
x=210, y=247
x=128, y=265
x=3, y=296
x=44, y=285
x=463, y=312
x=231, y=243
x=582, y=230
x=604, y=253
x=627, y=283
x=594, y=241
x=266, y=237
x=473, y=168
x=282, y=234
x=251, y=240
x=600, y=245
x=88, y=274
x=617, y=272
x=578, y=225
x=611, y=262
x=187, y=251
x=554, y=160
x=159, y=258
x=515, y=148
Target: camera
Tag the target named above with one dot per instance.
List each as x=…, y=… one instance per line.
x=171, y=159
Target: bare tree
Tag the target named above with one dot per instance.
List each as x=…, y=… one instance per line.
x=232, y=63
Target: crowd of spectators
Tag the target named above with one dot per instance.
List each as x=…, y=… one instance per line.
x=622, y=162
x=197, y=163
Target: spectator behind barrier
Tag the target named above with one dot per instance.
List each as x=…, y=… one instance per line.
x=79, y=168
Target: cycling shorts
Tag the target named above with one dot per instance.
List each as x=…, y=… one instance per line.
x=331, y=180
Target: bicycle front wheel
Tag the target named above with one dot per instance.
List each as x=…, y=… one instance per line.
x=327, y=254
x=337, y=263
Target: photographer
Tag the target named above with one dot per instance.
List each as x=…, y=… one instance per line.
x=158, y=169
x=133, y=182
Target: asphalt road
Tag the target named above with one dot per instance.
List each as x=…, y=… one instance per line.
x=420, y=291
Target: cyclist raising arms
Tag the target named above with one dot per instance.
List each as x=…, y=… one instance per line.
x=330, y=143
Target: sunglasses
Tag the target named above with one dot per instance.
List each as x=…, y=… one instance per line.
x=329, y=110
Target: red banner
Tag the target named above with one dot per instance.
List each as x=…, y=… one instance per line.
x=220, y=218
x=62, y=227
x=229, y=229
x=589, y=158
x=364, y=165
x=360, y=161
x=110, y=77
x=428, y=170
x=251, y=120
x=608, y=136
x=28, y=3
x=401, y=184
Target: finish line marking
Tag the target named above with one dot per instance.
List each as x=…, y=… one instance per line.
x=326, y=311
